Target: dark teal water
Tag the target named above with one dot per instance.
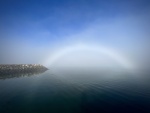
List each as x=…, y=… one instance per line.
x=76, y=91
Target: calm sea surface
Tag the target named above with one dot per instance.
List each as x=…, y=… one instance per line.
x=76, y=91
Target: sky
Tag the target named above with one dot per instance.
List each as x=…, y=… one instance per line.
x=31, y=31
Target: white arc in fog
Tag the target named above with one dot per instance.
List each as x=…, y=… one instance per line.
x=99, y=49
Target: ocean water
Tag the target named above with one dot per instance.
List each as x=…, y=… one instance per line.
x=76, y=91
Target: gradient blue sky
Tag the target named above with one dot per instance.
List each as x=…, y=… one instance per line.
x=31, y=28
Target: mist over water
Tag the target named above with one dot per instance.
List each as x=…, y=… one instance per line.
x=75, y=90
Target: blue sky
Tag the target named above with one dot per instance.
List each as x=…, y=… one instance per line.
x=38, y=26
x=59, y=18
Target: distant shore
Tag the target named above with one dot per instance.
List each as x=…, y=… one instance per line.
x=18, y=70
x=21, y=67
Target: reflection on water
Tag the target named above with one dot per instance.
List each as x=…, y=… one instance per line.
x=16, y=74
x=75, y=91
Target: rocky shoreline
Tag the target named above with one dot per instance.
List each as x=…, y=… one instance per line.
x=19, y=70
